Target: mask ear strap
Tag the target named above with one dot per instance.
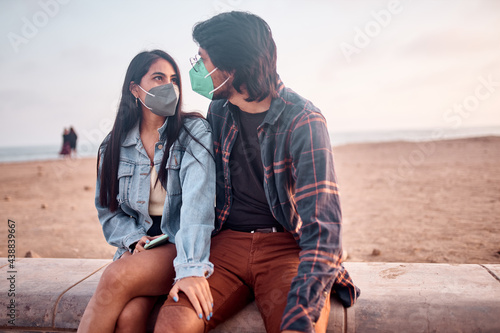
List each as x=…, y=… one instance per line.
x=150, y=94
x=223, y=83
x=216, y=68
x=147, y=107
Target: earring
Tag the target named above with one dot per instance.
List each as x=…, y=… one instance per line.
x=136, y=102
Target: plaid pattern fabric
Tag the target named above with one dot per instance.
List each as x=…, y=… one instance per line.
x=302, y=193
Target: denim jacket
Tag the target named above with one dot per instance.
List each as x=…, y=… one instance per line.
x=188, y=212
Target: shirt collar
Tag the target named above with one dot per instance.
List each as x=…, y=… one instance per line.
x=276, y=108
x=278, y=104
x=134, y=135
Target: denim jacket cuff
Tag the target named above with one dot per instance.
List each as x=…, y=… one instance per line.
x=132, y=238
x=187, y=270
x=119, y=252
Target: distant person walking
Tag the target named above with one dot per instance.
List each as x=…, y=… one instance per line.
x=72, y=141
x=66, y=147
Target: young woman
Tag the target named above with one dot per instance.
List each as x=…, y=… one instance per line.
x=156, y=175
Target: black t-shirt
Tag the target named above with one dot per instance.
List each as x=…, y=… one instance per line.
x=250, y=209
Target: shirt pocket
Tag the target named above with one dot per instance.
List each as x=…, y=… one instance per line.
x=125, y=173
x=173, y=173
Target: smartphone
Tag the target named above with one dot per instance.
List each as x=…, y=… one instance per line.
x=156, y=242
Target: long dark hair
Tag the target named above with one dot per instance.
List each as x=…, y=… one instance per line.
x=241, y=42
x=129, y=113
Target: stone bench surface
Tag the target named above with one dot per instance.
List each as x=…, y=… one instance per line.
x=51, y=295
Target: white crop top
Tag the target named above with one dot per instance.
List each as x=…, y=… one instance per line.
x=157, y=195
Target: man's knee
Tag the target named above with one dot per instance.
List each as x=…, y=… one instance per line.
x=178, y=319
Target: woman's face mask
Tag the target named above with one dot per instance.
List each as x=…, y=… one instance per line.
x=162, y=100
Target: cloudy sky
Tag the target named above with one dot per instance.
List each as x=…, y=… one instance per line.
x=368, y=65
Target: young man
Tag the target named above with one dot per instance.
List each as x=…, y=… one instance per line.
x=278, y=218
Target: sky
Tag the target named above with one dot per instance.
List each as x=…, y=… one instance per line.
x=368, y=65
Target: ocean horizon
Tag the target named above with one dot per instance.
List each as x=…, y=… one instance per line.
x=89, y=149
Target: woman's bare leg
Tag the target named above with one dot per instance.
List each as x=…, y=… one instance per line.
x=135, y=315
x=148, y=273
x=322, y=323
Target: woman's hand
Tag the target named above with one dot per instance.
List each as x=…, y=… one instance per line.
x=198, y=292
x=139, y=247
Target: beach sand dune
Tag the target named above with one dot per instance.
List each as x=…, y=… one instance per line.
x=433, y=201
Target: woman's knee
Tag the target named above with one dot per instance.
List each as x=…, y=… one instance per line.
x=134, y=317
x=114, y=280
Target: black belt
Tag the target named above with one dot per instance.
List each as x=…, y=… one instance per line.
x=268, y=230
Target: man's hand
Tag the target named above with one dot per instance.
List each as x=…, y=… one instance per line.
x=198, y=292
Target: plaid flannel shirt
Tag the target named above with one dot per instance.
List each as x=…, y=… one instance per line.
x=301, y=189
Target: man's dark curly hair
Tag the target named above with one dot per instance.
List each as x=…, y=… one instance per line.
x=241, y=42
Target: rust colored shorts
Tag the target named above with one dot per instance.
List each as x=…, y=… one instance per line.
x=250, y=266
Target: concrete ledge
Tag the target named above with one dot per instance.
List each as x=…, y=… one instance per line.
x=51, y=295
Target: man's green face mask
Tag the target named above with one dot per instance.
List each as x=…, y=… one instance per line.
x=201, y=80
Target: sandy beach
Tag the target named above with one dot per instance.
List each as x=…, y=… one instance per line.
x=433, y=201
